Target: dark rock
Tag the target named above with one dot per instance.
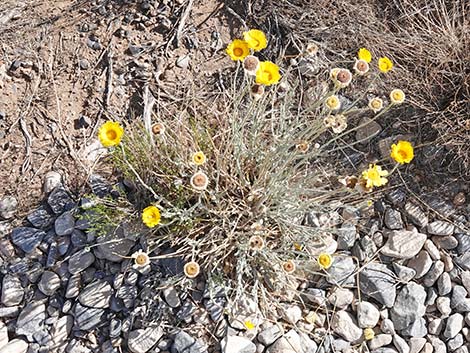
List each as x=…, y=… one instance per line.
x=99, y=185
x=347, y=235
x=73, y=286
x=12, y=290
x=215, y=307
x=80, y=261
x=393, y=219
x=58, y=200
x=115, y=328
x=27, y=239
x=409, y=305
x=63, y=244
x=52, y=255
x=378, y=282
x=96, y=295
x=343, y=271
x=40, y=217
x=396, y=196
x=186, y=311
x=464, y=243
x=171, y=266
x=64, y=224
x=140, y=341
x=49, y=284
x=31, y=320
x=416, y=215
x=78, y=238
x=87, y=318
x=127, y=294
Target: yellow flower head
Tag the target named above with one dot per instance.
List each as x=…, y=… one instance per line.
x=397, y=96
x=374, y=176
x=402, y=152
x=364, y=54
x=288, y=266
x=151, y=216
x=325, y=260
x=332, y=102
x=110, y=133
x=385, y=64
x=249, y=325
x=141, y=259
x=368, y=333
x=361, y=67
x=199, y=158
x=256, y=39
x=268, y=73
x=191, y=269
x=376, y=104
x=238, y=49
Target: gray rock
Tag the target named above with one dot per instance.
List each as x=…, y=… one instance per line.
x=416, y=344
x=342, y=273
x=40, y=217
x=416, y=329
x=367, y=314
x=455, y=342
x=443, y=305
x=12, y=290
x=184, y=343
x=63, y=244
x=171, y=297
x=434, y=273
x=409, y=305
x=3, y=334
x=432, y=250
x=403, y=244
x=96, y=295
x=292, y=314
x=31, y=320
x=387, y=326
x=142, y=340
x=9, y=311
x=465, y=277
x=447, y=242
x=61, y=332
x=416, y=215
x=115, y=328
x=8, y=206
x=73, y=286
x=86, y=318
x=438, y=345
x=464, y=243
x=405, y=274
x=393, y=219
x=347, y=235
x=378, y=282
x=367, y=130
x=454, y=325
x=270, y=334
x=380, y=341
x=114, y=248
x=463, y=261
x=49, y=283
x=127, y=294
x=444, y=284
x=435, y=326
x=80, y=261
x=27, y=239
x=345, y=326
x=400, y=344
x=51, y=181
x=307, y=344
x=421, y=264
x=340, y=298
x=459, y=300
x=289, y=343
x=15, y=346
x=384, y=350
x=58, y=200
x=64, y=224
x=440, y=228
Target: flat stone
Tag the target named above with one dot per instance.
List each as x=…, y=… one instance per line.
x=58, y=200
x=96, y=295
x=440, y=228
x=367, y=130
x=347, y=235
x=393, y=219
x=292, y=314
x=367, y=314
x=345, y=326
x=80, y=261
x=64, y=224
x=342, y=273
x=455, y=342
x=380, y=341
x=434, y=273
x=409, y=305
x=26, y=238
x=446, y=242
x=142, y=340
x=184, y=343
x=49, y=283
x=114, y=248
x=400, y=344
x=40, y=218
x=438, y=345
x=31, y=320
x=171, y=297
x=61, y=332
x=464, y=243
x=270, y=335
x=416, y=344
x=403, y=244
x=454, y=325
x=416, y=329
x=421, y=263
x=289, y=343
x=15, y=346
x=87, y=318
x=463, y=261
x=378, y=282
x=340, y=298
x=405, y=274
x=12, y=290
x=444, y=284
x=416, y=215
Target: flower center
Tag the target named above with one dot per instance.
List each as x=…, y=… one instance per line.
x=361, y=66
x=238, y=51
x=199, y=180
x=397, y=96
x=141, y=259
x=402, y=154
x=111, y=134
x=268, y=76
x=343, y=76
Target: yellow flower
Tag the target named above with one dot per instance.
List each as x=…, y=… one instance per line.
x=376, y=104
x=402, y=152
x=374, y=176
x=364, y=54
x=385, y=64
x=249, y=325
x=238, y=50
x=151, y=216
x=397, y=96
x=333, y=103
x=325, y=260
x=288, y=266
x=298, y=246
x=256, y=39
x=268, y=73
x=110, y=133
x=199, y=158
x=368, y=333
x=191, y=269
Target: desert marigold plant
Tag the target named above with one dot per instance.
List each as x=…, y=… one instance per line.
x=255, y=39
x=376, y=104
x=364, y=54
x=199, y=158
x=402, y=152
x=385, y=64
x=325, y=261
x=268, y=73
x=333, y=102
x=238, y=50
x=110, y=133
x=397, y=96
x=375, y=176
x=151, y=216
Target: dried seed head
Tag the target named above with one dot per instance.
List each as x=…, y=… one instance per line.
x=312, y=49
x=141, y=259
x=256, y=242
x=361, y=67
x=251, y=65
x=191, y=269
x=344, y=77
x=303, y=146
x=158, y=128
x=257, y=91
x=199, y=181
x=288, y=266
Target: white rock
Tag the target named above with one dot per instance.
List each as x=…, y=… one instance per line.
x=292, y=314
x=416, y=344
x=428, y=348
x=3, y=334
x=52, y=180
x=401, y=344
x=432, y=250
x=454, y=325
x=420, y=263
x=343, y=324
x=438, y=345
x=435, y=326
x=15, y=346
x=465, y=276
x=387, y=326
x=380, y=341
x=341, y=297
x=367, y=314
x=443, y=305
x=289, y=343
x=403, y=244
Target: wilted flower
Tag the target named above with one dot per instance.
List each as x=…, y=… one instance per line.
x=257, y=91
x=288, y=266
x=340, y=124
x=199, y=158
x=329, y=121
x=343, y=78
x=397, y=96
x=251, y=65
x=334, y=72
x=256, y=39
x=268, y=73
x=312, y=49
x=332, y=102
x=349, y=181
x=256, y=242
x=368, y=333
x=402, y=152
x=191, y=269
x=110, y=133
x=158, y=128
x=303, y=146
x=376, y=104
x=364, y=54
x=141, y=259
x=325, y=260
x=238, y=49
x=385, y=64
x=375, y=176
x=151, y=216
x=298, y=246
x=361, y=67
x=199, y=181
